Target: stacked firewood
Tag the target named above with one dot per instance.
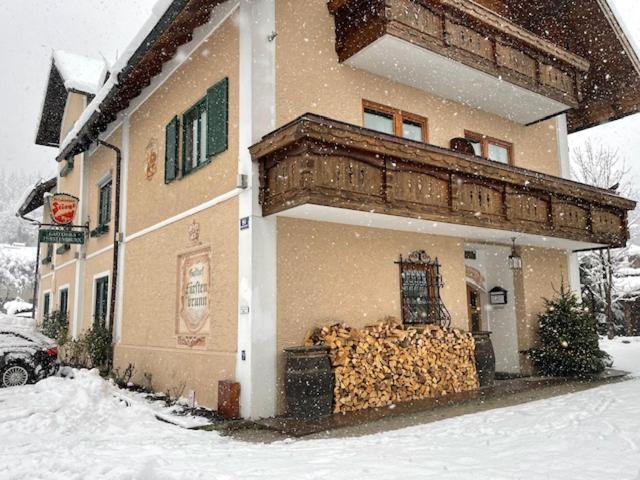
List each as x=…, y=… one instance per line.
x=387, y=363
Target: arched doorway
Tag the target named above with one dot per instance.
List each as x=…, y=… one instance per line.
x=474, y=305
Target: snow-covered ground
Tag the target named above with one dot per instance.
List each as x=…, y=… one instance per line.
x=77, y=429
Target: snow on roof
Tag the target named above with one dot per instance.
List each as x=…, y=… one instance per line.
x=626, y=30
x=158, y=10
x=628, y=286
x=79, y=72
x=22, y=205
x=633, y=250
x=13, y=307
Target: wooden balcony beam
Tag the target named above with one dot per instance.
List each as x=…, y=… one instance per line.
x=325, y=162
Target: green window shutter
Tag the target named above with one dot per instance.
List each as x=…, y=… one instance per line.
x=171, y=150
x=217, y=117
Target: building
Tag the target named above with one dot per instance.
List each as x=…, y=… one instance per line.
x=627, y=288
x=251, y=169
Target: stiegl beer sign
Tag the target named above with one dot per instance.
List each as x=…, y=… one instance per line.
x=63, y=208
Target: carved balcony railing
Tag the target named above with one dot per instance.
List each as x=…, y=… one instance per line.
x=315, y=160
x=466, y=32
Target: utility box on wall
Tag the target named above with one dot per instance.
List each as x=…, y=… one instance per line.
x=498, y=296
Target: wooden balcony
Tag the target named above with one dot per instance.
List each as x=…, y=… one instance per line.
x=315, y=160
x=462, y=31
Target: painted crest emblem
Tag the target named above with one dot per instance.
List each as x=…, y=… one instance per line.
x=151, y=159
x=63, y=208
x=194, y=232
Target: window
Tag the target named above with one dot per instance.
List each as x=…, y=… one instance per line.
x=394, y=122
x=104, y=203
x=420, y=284
x=100, y=306
x=64, y=301
x=49, y=254
x=204, y=132
x=194, y=135
x=46, y=305
x=491, y=148
x=470, y=255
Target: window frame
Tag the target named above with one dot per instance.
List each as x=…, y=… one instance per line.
x=48, y=258
x=64, y=289
x=46, y=303
x=485, y=141
x=197, y=108
x=101, y=278
x=106, y=182
x=398, y=118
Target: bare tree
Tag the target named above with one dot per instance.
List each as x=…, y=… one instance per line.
x=604, y=167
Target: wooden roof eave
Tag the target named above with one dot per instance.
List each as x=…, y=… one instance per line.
x=173, y=29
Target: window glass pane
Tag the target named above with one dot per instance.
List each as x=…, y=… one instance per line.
x=45, y=307
x=64, y=301
x=378, y=121
x=188, y=143
x=100, y=308
x=104, y=209
x=194, y=142
x=203, y=135
x=412, y=131
x=477, y=146
x=498, y=153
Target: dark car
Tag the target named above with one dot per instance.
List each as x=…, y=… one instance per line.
x=26, y=356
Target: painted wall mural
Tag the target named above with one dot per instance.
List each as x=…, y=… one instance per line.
x=193, y=316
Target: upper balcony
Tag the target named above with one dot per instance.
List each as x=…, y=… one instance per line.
x=375, y=179
x=462, y=51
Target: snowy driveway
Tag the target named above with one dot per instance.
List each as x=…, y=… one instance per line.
x=76, y=429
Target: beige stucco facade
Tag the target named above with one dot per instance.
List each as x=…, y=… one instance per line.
x=325, y=272
x=148, y=338
x=309, y=78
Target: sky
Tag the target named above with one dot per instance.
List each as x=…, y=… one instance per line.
x=31, y=29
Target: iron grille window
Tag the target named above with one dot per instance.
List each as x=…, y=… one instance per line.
x=420, y=284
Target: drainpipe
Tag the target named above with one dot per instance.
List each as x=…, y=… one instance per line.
x=116, y=234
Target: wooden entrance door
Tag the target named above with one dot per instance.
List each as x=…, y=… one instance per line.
x=474, y=305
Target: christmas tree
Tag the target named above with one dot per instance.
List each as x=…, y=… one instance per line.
x=568, y=344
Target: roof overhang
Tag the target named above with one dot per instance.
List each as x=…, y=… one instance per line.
x=55, y=99
x=35, y=197
x=407, y=63
x=593, y=30
x=174, y=28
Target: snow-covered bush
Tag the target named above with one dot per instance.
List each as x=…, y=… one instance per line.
x=56, y=326
x=98, y=345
